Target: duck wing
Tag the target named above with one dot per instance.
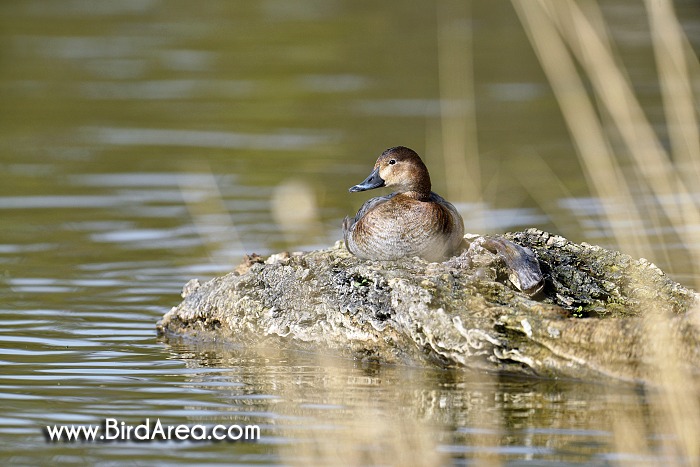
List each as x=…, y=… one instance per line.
x=371, y=204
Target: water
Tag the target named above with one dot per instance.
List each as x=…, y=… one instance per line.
x=147, y=142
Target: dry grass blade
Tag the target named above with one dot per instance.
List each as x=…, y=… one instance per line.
x=655, y=168
x=210, y=216
x=673, y=53
x=563, y=35
x=457, y=112
x=602, y=170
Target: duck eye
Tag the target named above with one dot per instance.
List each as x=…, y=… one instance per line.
x=392, y=162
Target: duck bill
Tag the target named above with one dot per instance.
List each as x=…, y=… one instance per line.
x=369, y=183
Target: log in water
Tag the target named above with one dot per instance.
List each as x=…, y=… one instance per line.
x=582, y=311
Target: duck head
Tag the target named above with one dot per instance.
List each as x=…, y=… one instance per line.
x=398, y=167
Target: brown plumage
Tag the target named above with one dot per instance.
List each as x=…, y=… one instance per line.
x=411, y=221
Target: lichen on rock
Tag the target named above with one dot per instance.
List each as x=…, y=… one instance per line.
x=584, y=318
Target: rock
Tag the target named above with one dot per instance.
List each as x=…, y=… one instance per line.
x=585, y=314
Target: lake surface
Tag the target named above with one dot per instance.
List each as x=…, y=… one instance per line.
x=147, y=142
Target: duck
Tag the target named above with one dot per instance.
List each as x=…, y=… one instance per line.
x=411, y=221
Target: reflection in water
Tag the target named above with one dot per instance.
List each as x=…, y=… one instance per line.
x=204, y=139
x=333, y=410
